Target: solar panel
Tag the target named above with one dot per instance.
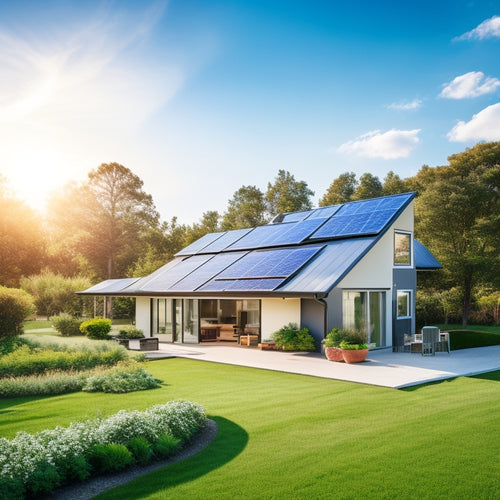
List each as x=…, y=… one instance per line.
x=206, y=271
x=199, y=244
x=242, y=285
x=296, y=216
x=324, y=212
x=258, y=236
x=225, y=240
x=172, y=275
x=297, y=233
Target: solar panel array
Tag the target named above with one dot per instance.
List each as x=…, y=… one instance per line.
x=361, y=218
x=262, y=269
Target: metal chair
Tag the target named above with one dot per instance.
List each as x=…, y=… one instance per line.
x=443, y=344
x=430, y=337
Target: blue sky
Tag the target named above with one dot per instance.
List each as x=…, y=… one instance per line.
x=201, y=97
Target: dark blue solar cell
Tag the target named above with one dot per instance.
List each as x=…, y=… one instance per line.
x=293, y=261
x=255, y=284
x=214, y=286
x=198, y=245
x=377, y=221
x=296, y=234
x=242, y=266
x=225, y=240
x=256, y=237
x=206, y=271
x=359, y=207
x=296, y=216
x=394, y=202
x=324, y=212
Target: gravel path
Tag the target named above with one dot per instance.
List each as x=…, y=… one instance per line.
x=92, y=487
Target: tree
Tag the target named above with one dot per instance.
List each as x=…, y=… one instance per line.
x=107, y=219
x=246, y=209
x=15, y=306
x=287, y=195
x=393, y=184
x=458, y=219
x=369, y=187
x=22, y=244
x=341, y=190
x=209, y=223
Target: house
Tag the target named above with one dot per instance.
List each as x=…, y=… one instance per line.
x=352, y=265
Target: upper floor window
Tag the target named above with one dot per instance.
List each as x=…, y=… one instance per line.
x=402, y=249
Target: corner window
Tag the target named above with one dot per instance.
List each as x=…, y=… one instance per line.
x=402, y=249
x=404, y=304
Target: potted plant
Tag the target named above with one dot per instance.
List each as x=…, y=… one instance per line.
x=354, y=347
x=331, y=343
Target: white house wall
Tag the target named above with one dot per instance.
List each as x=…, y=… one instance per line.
x=276, y=313
x=143, y=315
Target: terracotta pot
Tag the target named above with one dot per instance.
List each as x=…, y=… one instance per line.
x=334, y=354
x=354, y=355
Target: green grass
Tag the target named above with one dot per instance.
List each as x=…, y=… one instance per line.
x=474, y=328
x=290, y=436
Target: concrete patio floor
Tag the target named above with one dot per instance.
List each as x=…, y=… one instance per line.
x=381, y=368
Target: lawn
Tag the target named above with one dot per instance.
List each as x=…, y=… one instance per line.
x=291, y=436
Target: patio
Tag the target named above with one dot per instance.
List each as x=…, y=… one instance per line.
x=382, y=367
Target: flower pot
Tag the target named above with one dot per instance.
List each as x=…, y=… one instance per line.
x=354, y=355
x=334, y=354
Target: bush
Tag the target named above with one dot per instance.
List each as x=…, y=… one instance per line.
x=166, y=445
x=15, y=306
x=354, y=339
x=290, y=338
x=96, y=328
x=74, y=468
x=141, y=449
x=127, y=377
x=334, y=337
x=43, y=480
x=12, y=488
x=67, y=325
x=111, y=457
x=131, y=333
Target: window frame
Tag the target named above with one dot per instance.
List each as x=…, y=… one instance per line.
x=398, y=232
x=409, y=308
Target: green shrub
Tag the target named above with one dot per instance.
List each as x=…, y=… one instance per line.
x=15, y=306
x=354, y=339
x=25, y=361
x=112, y=457
x=127, y=377
x=334, y=337
x=10, y=344
x=43, y=480
x=290, y=338
x=73, y=468
x=12, y=488
x=131, y=333
x=67, y=325
x=140, y=449
x=96, y=328
x=166, y=445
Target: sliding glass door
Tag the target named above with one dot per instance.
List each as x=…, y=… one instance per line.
x=365, y=311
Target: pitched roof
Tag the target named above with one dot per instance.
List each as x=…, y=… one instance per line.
x=299, y=254
x=424, y=260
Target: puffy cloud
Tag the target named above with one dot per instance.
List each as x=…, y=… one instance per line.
x=487, y=29
x=472, y=84
x=485, y=126
x=388, y=145
x=406, y=105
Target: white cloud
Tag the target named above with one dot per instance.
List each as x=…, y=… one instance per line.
x=472, y=84
x=406, y=105
x=485, y=126
x=388, y=145
x=487, y=29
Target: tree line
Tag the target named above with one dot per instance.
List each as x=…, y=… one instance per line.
x=108, y=226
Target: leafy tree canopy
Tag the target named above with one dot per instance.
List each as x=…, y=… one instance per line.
x=245, y=209
x=287, y=195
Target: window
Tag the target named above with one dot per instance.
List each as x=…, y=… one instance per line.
x=402, y=249
x=365, y=311
x=404, y=304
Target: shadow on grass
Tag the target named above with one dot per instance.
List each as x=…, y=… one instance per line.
x=230, y=441
x=495, y=376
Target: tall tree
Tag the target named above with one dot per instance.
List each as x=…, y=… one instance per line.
x=341, y=190
x=369, y=187
x=22, y=242
x=245, y=209
x=393, y=184
x=458, y=217
x=209, y=223
x=110, y=216
x=287, y=195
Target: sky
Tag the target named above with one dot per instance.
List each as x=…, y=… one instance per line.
x=201, y=97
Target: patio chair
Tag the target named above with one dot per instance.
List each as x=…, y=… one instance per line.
x=430, y=337
x=443, y=344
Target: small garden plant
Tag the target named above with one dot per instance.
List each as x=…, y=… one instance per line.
x=67, y=325
x=96, y=328
x=291, y=338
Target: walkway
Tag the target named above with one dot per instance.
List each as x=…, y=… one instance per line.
x=382, y=367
